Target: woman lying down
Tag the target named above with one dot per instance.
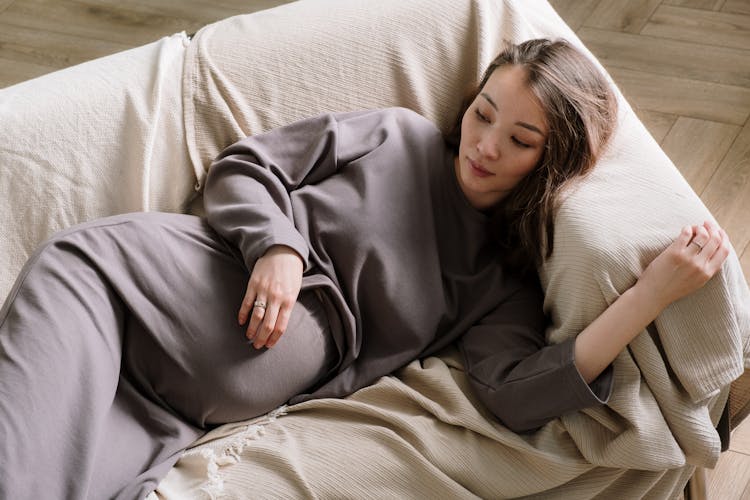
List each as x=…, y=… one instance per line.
x=334, y=251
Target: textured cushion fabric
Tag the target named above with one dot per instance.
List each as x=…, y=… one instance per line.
x=96, y=139
x=250, y=73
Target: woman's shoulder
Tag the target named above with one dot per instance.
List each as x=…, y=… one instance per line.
x=396, y=117
x=399, y=128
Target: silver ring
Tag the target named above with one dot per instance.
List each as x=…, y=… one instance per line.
x=259, y=304
x=697, y=244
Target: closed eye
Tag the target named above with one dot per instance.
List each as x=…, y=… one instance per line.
x=519, y=143
x=481, y=116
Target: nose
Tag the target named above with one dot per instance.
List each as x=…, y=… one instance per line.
x=488, y=147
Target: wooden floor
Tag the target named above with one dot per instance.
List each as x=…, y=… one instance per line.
x=683, y=64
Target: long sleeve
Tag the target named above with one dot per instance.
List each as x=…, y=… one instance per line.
x=523, y=381
x=250, y=187
x=247, y=193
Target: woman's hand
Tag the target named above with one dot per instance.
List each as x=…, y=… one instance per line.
x=685, y=265
x=271, y=293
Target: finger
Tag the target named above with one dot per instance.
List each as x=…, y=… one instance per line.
x=722, y=251
x=709, y=224
x=700, y=239
x=247, y=304
x=713, y=242
x=257, y=314
x=266, y=327
x=686, y=234
x=281, y=323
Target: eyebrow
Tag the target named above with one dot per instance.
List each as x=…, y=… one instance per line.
x=525, y=125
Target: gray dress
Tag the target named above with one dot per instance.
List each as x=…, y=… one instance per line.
x=119, y=344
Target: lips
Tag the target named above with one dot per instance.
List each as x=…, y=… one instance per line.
x=477, y=169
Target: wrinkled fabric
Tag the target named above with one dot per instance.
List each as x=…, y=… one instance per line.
x=119, y=346
x=123, y=332
x=370, y=201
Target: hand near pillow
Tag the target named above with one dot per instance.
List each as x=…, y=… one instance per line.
x=682, y=268
x=687, y=264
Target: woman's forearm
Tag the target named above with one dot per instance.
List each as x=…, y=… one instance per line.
x=682, y=268
x=600, y=343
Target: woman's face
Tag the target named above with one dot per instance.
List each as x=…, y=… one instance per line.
x=503, y=134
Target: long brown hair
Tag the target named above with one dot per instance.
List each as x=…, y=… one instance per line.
x=581, y=111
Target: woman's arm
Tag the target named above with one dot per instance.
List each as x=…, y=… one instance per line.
x=527, y=383
x=521, y=379
x=248, y=202
x=686, y=265
x=249, y=197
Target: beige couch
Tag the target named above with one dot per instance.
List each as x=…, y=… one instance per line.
x=144, y=133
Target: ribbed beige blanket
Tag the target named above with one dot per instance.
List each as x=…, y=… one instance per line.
x=419, y=433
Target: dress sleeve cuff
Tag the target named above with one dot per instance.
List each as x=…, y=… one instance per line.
x=292, y=240
x=595, y=393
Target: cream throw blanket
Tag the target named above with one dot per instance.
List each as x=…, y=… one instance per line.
x=419, y=433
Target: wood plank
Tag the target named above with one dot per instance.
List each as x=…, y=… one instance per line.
x=697, y=147
x=669, y=57
x=740, y=441
x=33, y=41
x=248, y=5
x=4, y=4
x=199, y=10
x=691, y=25
x=52, y=50
x=737, y=6
x=658, y=124
x=574, y=12
x=680, y=96
x=745, y=263
x=696, y=4
x=122, y=23
x=730, y=480
x=617, y=15
x=213, y=7
x=32, y=36
x=12, y=72
x=242, y=6
x=728, y=192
